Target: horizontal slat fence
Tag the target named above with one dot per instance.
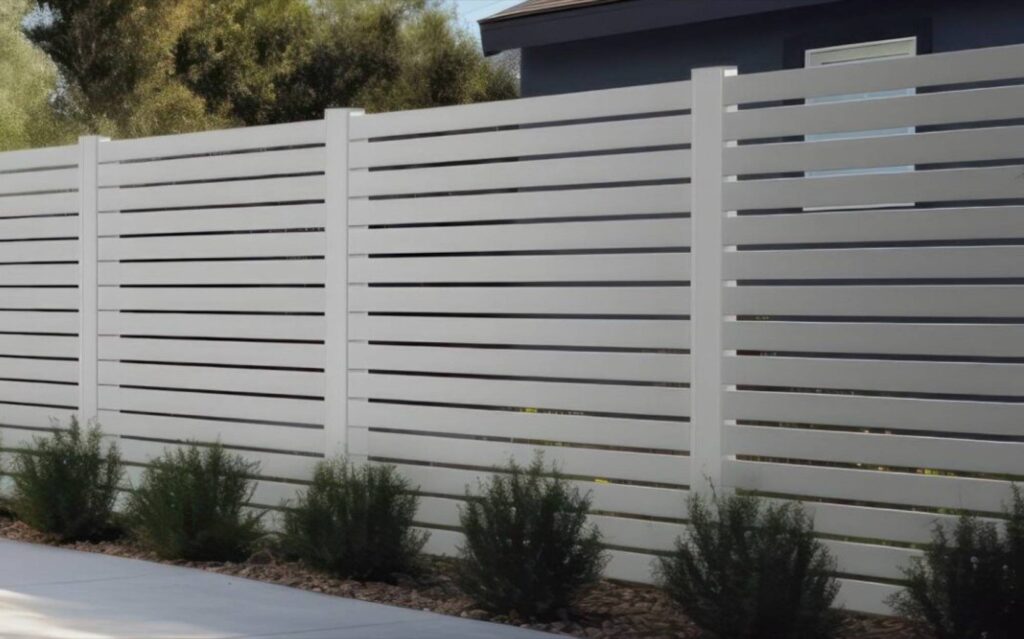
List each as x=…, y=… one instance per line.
x=39, y=294
x=873, y=333
x=653, y=286
x=537, y=300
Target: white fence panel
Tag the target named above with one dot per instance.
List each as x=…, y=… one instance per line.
x=652, y=285
x=873, y=329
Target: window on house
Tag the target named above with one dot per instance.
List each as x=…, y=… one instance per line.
x=860, y=53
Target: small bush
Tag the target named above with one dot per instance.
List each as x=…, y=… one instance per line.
x=355, y=522
x=528, y=549
x=66, y=484
x=969, y=585
x=753, y=571
x=192, y=505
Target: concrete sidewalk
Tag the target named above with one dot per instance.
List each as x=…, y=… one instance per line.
x=52, y=593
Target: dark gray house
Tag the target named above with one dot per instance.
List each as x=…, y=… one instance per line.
x=577, y=45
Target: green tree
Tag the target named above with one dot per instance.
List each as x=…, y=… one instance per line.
x=116, y=59
x=28, y=80
x=268, y=61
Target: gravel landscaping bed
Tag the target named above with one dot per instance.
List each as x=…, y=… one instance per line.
x=611, y=610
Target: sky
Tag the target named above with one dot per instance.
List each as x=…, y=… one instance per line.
x=472, y=10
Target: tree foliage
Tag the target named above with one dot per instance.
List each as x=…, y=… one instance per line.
x=749, y=569
x=970, y=582
x=132, y=68
x=28, y=80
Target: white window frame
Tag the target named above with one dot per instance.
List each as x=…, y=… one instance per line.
x=861, y=53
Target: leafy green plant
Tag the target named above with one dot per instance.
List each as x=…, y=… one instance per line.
x=529, y=548
x=752, y=570
x=970, y=583
x=191, y=505
x=355, y=521
x=66, y=484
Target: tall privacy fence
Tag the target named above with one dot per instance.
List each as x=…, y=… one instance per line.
x=656, y=286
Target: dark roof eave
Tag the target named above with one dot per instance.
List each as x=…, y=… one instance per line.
x=617, y=17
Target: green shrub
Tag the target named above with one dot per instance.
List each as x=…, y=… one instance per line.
x=66, y=484
x=528, y=548
x=192, y=505
x=969, y=585
x=355, y=522
x=751, y=570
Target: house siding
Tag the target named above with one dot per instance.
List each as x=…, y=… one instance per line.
x=765, y=42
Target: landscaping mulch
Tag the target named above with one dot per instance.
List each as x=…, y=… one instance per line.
x=611, y=610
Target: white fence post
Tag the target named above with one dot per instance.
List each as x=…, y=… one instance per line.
x=88, y=285
x=336, y=283
x=706, y=280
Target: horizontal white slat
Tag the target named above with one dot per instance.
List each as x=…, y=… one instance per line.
x=45, y=204
x=226, y=141
x=40, y=251
x=32, y=417
x=39, y=346
x=38, y=181
x=43, y=370
x=975, y=105
x=224, y=326
x=654, y=98
x=626, y=267
x=877, y=263
x=870, y=560
x=962, y=378
x=663, y=334
x=229, y=433
x=214, y=272
x=873, y=523
x=603, y=431
x=216, y=378
x=19, y=438
x=615, y=531
x=39, y=274
x=213, y=246
x=978, y=340
x=612, y=498
x=625, y=167
x=891, y=225
x=241, y=165
x=51, y=157
x=30, y=322
x=518, y=143
x=938, y=453
x=991, y=418
x=865, y=596
x=922, y=301
x=277, y=300
x=632, y=300
x=857, y=190
x=976, y=65
x=38, y=227
x=237, y=192
x=617, y=234
x=627, y=200
x=271, y=464
x=634, y=367
x=969, y=145
x=38, y=298
x=38, y=393
x=935, y=491
x=577, y=462
x=213, y=352
x=254, y=218
x=594, y=398
x=277, y=409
